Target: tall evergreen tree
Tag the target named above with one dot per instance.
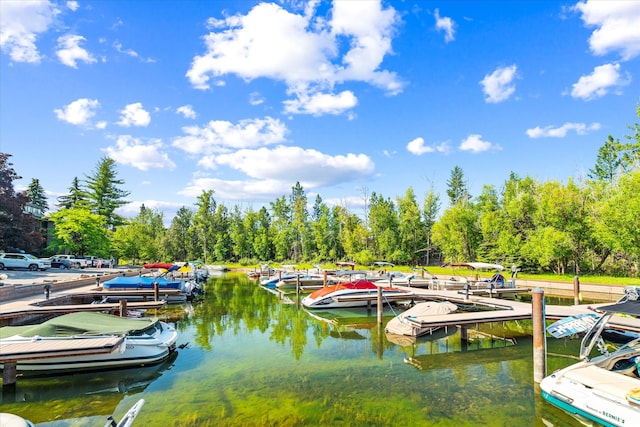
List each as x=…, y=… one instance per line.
x=75, y=198
x=104, y=192
x=457, y=187
x=37, y=196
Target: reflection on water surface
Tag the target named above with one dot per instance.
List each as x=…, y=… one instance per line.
x=253, y=358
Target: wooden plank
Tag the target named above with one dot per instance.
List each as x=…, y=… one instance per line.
x=42, y=349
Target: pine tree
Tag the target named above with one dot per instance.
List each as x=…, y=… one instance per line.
x=37, y=196
x=457, y=188
x=104, y=192
x=76, y=198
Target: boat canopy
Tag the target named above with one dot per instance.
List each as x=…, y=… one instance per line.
x=475, y=265
x=80, y=323
x=382, y=264
x=629, y=304
x=346, y=264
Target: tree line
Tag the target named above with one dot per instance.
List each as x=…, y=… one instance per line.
x=589, y=224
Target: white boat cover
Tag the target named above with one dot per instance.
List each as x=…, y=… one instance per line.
x=399, y=326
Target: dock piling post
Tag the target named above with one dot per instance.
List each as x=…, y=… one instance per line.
x=379, y=305
x=466, y=291
x=576, y=290
x=298, y=284
x=9, y=374
x=539, y=337
x=324, y=279
x=123, y=308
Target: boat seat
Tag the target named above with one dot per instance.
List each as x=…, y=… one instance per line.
x=611, y=383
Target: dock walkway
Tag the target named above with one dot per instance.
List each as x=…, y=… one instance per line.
x=502, y=310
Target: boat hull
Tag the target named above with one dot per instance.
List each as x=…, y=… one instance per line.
x=604, y=400
x=144, y=348
x=360, y=293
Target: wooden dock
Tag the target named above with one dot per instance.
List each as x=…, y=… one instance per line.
x=33, y=310
x=502, y=310
x=498, y=292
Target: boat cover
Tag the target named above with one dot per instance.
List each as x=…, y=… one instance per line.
x=141, y=282
x=80, y=323
x=158, y=265
x=397, y=325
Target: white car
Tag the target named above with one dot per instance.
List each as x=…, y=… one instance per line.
x=26, y=261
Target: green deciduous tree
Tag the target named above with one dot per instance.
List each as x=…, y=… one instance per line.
x=179, y=241
x=281, y=228
x=203, y=223
x=411, y=228
x=80, y=232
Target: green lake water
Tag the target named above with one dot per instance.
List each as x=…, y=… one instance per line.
x=252, y=358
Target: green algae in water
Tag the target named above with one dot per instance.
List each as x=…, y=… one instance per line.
x=251, y=358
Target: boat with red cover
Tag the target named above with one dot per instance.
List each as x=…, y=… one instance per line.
x=358, y=293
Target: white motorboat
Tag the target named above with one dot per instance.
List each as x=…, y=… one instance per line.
x=144, y=341
x=604, y=388
x=358, y=293
x=12, y=420
x=400, y=325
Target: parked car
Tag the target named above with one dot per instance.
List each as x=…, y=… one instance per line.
x=62, y=263
x=26, y=261
x=76, y=262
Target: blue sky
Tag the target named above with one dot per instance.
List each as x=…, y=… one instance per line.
x=346, y=97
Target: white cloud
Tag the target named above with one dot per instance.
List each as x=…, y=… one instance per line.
x=78, y=112
x=69, y=51
x=168, y=209
x=272, y=172
x=251, y=190
x=132, y=151
x=255, y=98
x=445, y=24
x=73, y=5
x=290, y=164
x=475, y=144
x=20, y=24
x=129, y=52
x=220, y=136
x=318, y=104
x=561, y=132
x=302, y=50
x=418, y=147
x=134, y=115
x=187, y=111
x=597, y=84
x=617, y=25
x=499, y=85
